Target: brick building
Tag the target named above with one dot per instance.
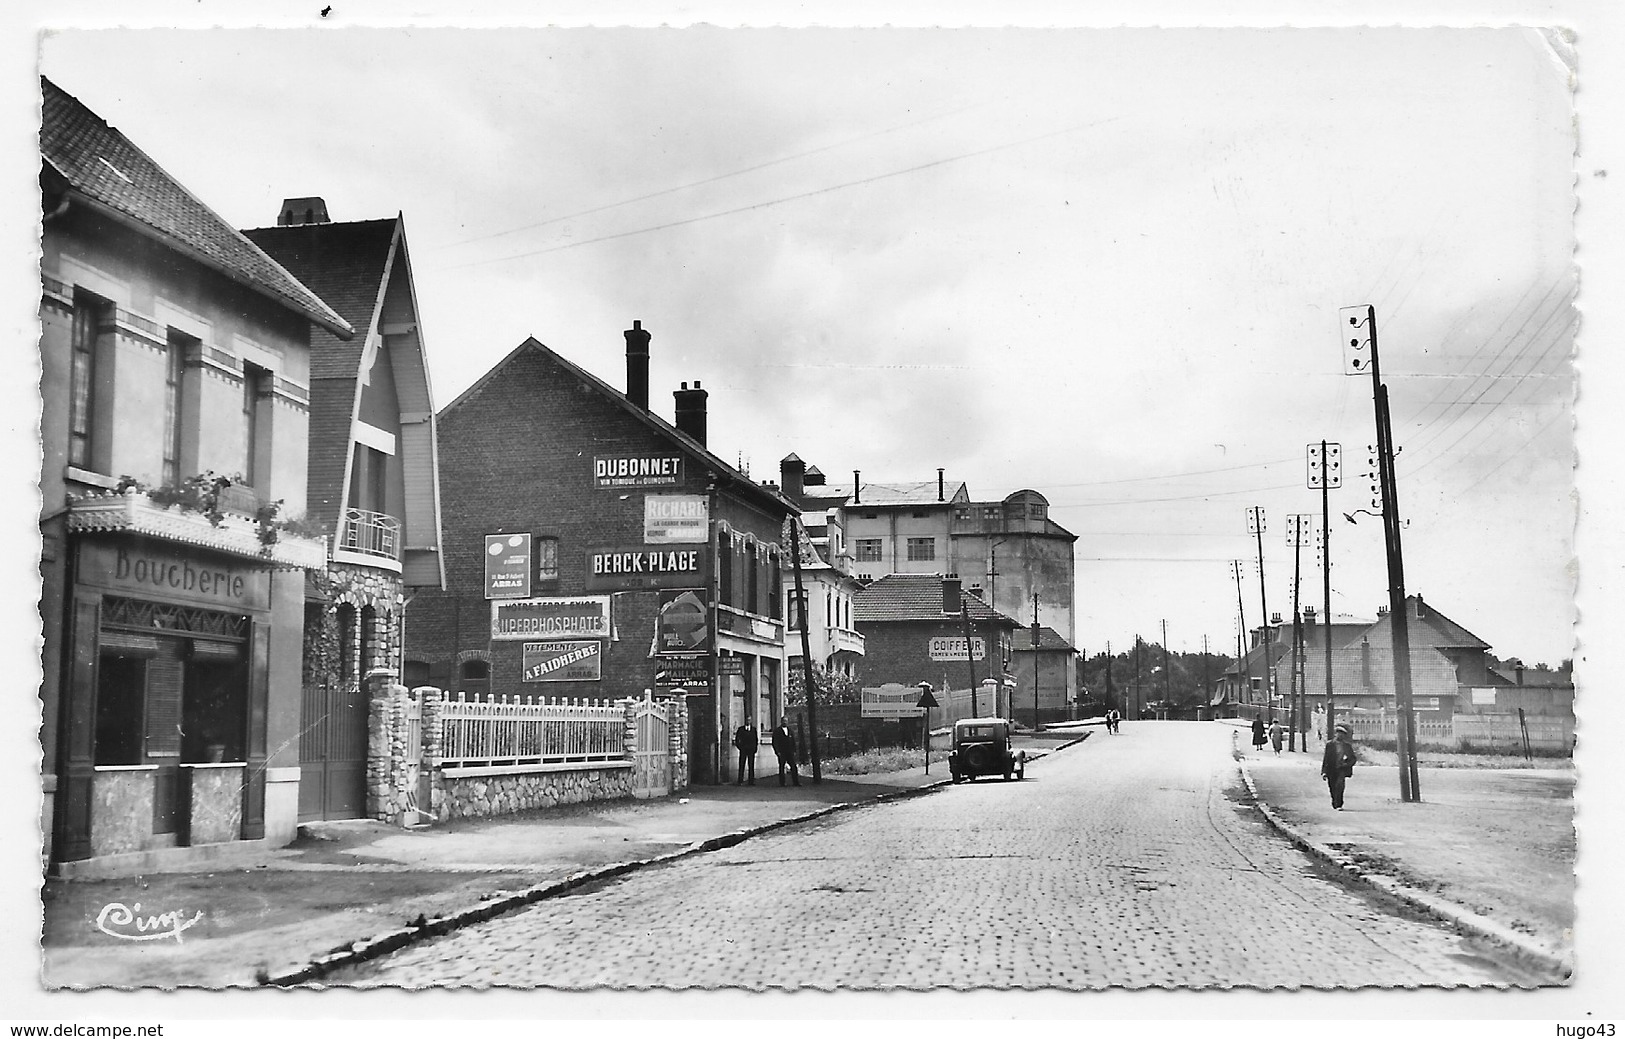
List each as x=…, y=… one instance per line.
x=595, y=550
x=372, y=486
x=914, y=632
x=175, y=363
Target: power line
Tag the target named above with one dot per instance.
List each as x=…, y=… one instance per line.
x=785, y=199
x=718, y=177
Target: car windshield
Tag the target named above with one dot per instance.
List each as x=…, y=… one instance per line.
x=977, y=732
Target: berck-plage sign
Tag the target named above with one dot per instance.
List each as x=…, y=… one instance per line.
x=645, y=566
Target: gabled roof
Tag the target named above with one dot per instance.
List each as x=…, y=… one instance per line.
x=1428, y=627
x=678, y=438
x=923, y=493
x=346, y=263
x=916, y=597
x=101, y=167
x=1048, y=638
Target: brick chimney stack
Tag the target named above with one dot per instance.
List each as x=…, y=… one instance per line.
x=951, y=600
x=791, y=472
x=690, y=411
x=637, y=366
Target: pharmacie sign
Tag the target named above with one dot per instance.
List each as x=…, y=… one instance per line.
x=615, y=471
x=584, y=616
x=676, y=519
x=685, y=671
x=646, y=566
x=949, y=647
x=562, y=662
x=507, y=566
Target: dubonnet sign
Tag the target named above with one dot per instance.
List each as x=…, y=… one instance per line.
x=637, y=471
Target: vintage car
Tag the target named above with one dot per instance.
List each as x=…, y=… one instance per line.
x=982, y=748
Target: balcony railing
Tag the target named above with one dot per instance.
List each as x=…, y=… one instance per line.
x=845, y=640
x=135, y=513
x=371, y=534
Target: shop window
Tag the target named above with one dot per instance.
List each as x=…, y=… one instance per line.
x=921, y=549
x=121, y=702
x=868, y=550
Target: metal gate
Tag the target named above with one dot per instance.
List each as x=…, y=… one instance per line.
x=333, y=752
x=651, y=762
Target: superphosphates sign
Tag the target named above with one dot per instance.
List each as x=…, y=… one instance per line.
x=562, y=662
x=585, y=616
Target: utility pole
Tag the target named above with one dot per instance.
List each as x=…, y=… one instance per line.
x=1109, y=694
x=1255, y=527
x=970, y=657
x=1326, y=472
x=796, y=534
x=1360, y=335
x=1244, y=660
x=1035, y=663
x=1297, y=532
x=1136, y=677
x=1205, y=695
x=1167, y=696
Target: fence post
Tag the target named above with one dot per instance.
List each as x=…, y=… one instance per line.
x=678, y=713
x=429, y=728
x=386, y=717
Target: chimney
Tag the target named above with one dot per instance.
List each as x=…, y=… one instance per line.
x=637, y=367
x=939, y=485
x=951, y=601
x=1382, y=611
x=1275, y=618
x=311, y=210
x=690, y=408
x=791, y=471
x=1518, y=672
x=1365, y=661
x=1308, y=616
x=857, y=487
x=813, y=477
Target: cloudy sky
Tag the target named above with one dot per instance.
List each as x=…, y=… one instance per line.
x=1102, y=263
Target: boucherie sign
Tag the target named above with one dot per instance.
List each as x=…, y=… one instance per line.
x=645, y=566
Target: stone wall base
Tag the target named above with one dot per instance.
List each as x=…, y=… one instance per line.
x=482, y=796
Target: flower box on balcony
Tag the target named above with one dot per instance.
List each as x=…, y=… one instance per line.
x=134, y=512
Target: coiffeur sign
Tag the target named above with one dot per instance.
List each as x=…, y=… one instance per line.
x=507, y=566
x=580, y=617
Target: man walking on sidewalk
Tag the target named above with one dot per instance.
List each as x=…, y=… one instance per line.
x=745, y=741
x=784, y=748
x=1337, y=764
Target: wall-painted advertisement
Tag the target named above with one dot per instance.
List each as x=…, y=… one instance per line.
x=507, y=566
x=637, y=471
x=670, y=519
x=684, y=671
x=584, y=616
x=681, y=622
x=951, y=647
x=562, y=662
x=615, y=569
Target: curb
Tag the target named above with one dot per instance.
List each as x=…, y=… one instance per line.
x=1459, y=916
x=365, y=949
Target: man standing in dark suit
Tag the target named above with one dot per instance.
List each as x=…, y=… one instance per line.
x=1337, y=764
x=745, y=741
x=784, y=748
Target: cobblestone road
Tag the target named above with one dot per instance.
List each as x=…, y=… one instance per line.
x=1124, y=861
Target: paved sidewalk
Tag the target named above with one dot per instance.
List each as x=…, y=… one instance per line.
x=267, y=914
x=1491, y=849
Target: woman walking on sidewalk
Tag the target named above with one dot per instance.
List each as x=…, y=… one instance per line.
x=1337, y=764
x=1258, y=732
x=1275, y=736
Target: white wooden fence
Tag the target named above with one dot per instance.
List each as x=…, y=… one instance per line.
x=511, y=732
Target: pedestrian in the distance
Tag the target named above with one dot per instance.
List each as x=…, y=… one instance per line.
x=1337, y=764
x=1258, y=732
x=1275, y=736
x=1320, y=722
x=784, y=748
x=745, y=740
